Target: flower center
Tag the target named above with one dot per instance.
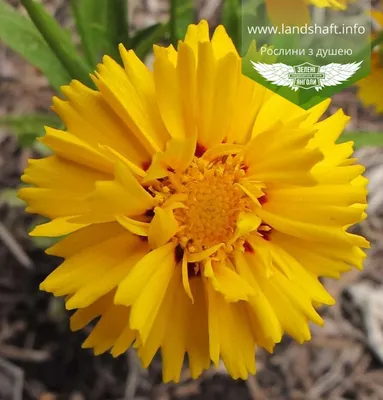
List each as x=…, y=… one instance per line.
x=213, y=202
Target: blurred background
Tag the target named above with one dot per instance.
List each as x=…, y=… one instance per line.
x=40, y=359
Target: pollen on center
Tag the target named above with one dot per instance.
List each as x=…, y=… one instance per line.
x=213, y=202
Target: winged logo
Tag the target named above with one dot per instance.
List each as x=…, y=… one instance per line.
x=307, y=76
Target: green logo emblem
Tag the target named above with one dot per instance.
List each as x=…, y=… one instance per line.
x=307, y=76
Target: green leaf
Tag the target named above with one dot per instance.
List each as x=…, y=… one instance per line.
x=231, y=19
x=185, y=15
x=28, y=128
x=21, y=35
x=377, y=41
x=142, y=42
x=86, y=14
x=182, y=13
x=115, y=27
x=148, y=38
x=102, y=25
x=362, y=139
x=143, y=34
x=59, y=41
x=121, y=19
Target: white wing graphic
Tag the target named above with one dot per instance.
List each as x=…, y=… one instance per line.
x=277, y=74
x=335, y=74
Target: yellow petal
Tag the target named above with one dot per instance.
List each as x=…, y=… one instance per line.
x=228, y=283
x=185, y=277
x=110, y=280
x=309, y=231
x=71, y=148
x=222, y=43
x=196, y=34
x=329, y=130
x=220, y=150
x=82, y=268
x=124, y=341
x=178, y=156
x=197, y=330
x=108, y=329
x=88, y=116
x=162, y=227
x=186, y=74
x=122, y=96
x=123, y=196
x=131, y=287
x=336, y=195
x=119, y=157
x=262, y=313
x=144, y=83
x=228, y=326
x=85, y=237
x=206, y=70
x=224, y=98
x=53, y=203
x=82, y=317
x=321, y=259
x=55, y=228
x=137, y=227
x=246, y=110
x=179, y=153
x=57, y=173
x=246, y=223
x=201, y=256
x=291, y=320
x=175, y=340
x=161, y=323
x=253, y=190
x=146, y=307
x=168, y=93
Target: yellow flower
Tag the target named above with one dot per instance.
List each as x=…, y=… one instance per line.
x=334, y=4
x=297, y=12
x=201, y=208
x=368, y=92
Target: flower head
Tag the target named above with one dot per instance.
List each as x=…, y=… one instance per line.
x=199, y=207
x=368, y=93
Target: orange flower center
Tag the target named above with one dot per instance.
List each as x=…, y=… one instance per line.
x=213, y=202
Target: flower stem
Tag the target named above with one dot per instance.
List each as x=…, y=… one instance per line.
x=59, y=42
x=173, y=22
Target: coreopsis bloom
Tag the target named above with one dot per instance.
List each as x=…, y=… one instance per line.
x=200, y=208
x=368, y=93
x=297, y=12
x=334, y=4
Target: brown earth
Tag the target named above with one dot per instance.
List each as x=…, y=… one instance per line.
x=40, y=359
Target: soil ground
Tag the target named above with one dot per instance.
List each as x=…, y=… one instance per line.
x=40, y=359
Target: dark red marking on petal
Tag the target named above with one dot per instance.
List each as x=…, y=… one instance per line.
x=193, y=270
x=263, y=199
x=149, y=213
x=266, y=235
x=224, y=159
x=244, y=167
x=199, y=150
x=146, y=165
x=178, y=254
x=224, y=140
x=248, y=248
x=170, y=169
